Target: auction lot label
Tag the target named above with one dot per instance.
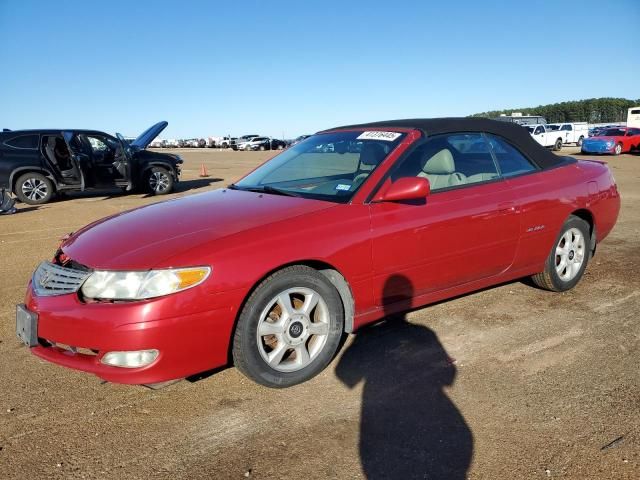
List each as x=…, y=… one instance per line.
x=387, y=136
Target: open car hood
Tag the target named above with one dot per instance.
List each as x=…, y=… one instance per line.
x=146, y=137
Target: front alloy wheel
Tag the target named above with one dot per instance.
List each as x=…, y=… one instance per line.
x=159, y=181
x=293, y=328
x=618, y=149
x=289, y=329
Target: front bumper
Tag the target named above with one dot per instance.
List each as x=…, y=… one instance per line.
x=190, y=340
x=596, y=147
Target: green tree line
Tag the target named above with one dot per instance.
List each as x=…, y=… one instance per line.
x=592, y=110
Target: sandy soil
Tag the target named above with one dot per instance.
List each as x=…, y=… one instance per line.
x=511, y=382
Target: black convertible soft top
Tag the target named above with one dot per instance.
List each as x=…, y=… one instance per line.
x=517, y=135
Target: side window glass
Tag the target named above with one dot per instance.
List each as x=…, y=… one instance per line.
x=510, y=160
x=97, y=144
x=450, y=161
x=538, y=130
x=29, y=142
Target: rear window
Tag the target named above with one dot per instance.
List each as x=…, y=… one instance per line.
x=24, y=141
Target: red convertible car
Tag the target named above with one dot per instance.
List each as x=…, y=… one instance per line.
x=270, y=273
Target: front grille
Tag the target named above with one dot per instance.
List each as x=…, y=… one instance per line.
x=49, y=279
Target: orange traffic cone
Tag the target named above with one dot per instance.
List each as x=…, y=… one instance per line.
x=203, y=170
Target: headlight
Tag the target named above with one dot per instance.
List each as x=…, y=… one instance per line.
x=609, y=143
x=116, y=285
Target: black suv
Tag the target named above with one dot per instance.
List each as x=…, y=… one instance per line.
x=35, y=164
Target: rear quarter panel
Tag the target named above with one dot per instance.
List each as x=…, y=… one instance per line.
x=603, y=197
x=547, y=198
x=13, y=160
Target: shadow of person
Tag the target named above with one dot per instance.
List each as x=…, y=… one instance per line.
x=409, y=428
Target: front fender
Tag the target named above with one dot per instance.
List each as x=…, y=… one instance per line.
x=150, y=165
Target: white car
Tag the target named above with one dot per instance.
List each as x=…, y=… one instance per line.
x=573, y=132
x=545, y=136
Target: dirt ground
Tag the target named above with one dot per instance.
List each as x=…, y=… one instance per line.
x=511, y=382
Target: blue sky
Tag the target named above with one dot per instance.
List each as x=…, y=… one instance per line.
x=274, y=68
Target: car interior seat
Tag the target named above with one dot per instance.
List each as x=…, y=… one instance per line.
x=440, y=170
x=49, y=150
x=63, y=158
x=370, y=156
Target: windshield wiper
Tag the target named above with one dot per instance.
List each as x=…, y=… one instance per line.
x=266, y=189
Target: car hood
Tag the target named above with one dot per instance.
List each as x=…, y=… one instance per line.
x=601, y=139
x=146, y=137
x=142, y=238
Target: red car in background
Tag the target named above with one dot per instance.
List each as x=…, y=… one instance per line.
x=614, y=140
x=271, y=272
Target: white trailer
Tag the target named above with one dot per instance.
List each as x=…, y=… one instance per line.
x=573, y=132
x=633, y=117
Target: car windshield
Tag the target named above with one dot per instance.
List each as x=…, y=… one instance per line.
x=329, y=166
x=613, y=132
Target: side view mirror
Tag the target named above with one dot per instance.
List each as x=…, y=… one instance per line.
x=407, y=188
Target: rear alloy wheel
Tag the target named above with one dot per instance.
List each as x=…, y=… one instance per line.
x=262, y=148
x=289, y=329
x=618, y=149
x=580, y=140
x=34, y=188
x=568, y=258
x=558, y=145
x=159, y=181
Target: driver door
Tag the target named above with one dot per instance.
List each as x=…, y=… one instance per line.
x=122, y=161
x=466, y=230
x=105, y=154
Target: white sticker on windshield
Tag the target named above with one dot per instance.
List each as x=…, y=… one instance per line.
x=386, y=136
x=342, y=186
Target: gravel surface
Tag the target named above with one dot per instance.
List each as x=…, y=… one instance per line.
x=510, y=382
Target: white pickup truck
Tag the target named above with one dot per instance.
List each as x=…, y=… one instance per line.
x=573, y=132
x=545, y=136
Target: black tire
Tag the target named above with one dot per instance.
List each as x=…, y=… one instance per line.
x=550, y=279
x=558, y=145
x=33, y=188
x=247, y=356
x=580, y=140
x=159, y=181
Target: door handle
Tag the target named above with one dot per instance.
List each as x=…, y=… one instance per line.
x=506, y=207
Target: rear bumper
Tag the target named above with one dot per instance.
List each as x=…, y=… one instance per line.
x=189, y=342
